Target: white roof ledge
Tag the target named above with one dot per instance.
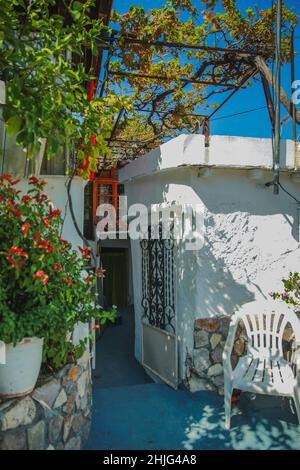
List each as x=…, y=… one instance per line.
x=223, y=152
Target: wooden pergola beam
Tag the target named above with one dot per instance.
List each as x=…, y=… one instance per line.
x=164, y=78
x=178, y=45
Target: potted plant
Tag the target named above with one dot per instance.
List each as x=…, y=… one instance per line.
x=43, y=291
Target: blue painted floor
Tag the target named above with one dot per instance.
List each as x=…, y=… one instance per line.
x=132, y=413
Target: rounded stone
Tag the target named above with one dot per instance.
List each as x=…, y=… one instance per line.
x=223, y=328
x=67, y=426
x=218, y=380
x=201, y=339
x=14, y=440
x=70, y=404
x=215, y=340
x=77, y=422
x=201, y=359
x=36, y=436
x=22, y=413
x=61, y=399
x=55, y=429
x=73, y=444
x=216, y=369
x=217, y=354
x=47, y=393
x=208, y=324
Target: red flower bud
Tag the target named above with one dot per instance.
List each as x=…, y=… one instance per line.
x=25, y=228
x=41, y=275
x=57, y=267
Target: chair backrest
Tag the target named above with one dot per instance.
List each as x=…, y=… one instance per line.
x=265, y=322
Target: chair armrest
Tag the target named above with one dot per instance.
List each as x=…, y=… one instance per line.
x=229, y=344
x=296, y=363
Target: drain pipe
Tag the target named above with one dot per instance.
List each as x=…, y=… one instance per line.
x=276, y=155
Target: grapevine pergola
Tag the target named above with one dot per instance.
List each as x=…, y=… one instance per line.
x=212, y=70
x=134, y=85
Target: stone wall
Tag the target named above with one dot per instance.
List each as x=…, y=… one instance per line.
x=56, y=415
x=204, y=369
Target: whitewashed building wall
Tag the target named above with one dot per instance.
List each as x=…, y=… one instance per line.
x=251, y=235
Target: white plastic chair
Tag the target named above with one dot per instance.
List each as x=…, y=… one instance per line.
x=263, y=370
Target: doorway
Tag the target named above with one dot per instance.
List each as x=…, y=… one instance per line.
x=116, y=281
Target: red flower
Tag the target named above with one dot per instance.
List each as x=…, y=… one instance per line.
x=15, y=250
x=62, y=250
x=17, y=213
x=41, y=275
x=7, y=177
x=88, y=279
x=11, y=261
x=45, y=221
x=21, y=264
x=100, y=273
x=68, y=281
x=47, y=246
x=84, y=251
x=57, y=267
x=65, y=242
x=43, y=197
x=33, y=180
x=13, y=183
x=26, y=198
x=96, y=327
x=25, y=228
x=53, y=213
x=36, y=237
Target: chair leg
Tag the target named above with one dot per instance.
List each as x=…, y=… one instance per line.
x=227, y=401
x=297, y=402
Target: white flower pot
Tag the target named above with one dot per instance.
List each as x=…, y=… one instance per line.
x=20, y=372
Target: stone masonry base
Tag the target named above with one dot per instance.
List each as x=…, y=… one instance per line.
x=204, y=369
x=56, y=415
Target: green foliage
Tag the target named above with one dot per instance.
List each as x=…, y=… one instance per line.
x=291, y=292
x=46, y=92
x=43, y=289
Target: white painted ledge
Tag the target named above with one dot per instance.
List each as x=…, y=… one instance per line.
x=223, y=152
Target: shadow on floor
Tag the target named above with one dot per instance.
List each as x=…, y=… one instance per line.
x=130, y=412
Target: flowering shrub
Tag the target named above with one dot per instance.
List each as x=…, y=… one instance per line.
x=291, y=292
x=43, y=289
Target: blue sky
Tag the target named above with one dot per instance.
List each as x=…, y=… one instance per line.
x=255, y=124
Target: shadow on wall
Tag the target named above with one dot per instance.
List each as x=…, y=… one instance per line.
x=249, y=244
x=205, y=290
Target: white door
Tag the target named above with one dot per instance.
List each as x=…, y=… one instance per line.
x=159, y=340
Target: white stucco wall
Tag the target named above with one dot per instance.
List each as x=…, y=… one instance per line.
x=57, y=193
x=252, y=239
